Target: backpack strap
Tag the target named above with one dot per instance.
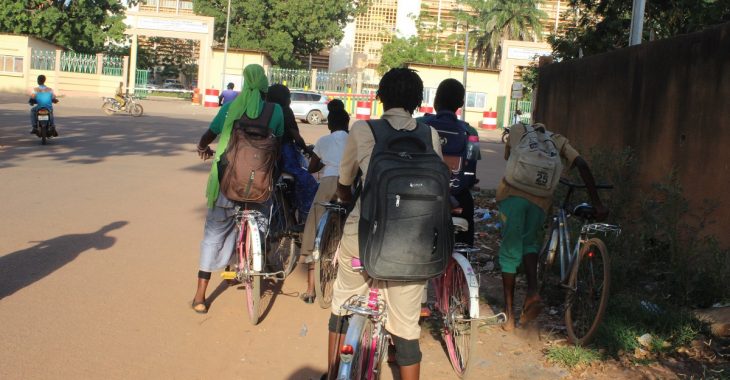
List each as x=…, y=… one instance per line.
x=383, y=134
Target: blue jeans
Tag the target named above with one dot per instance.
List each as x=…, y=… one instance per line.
x=306, y=186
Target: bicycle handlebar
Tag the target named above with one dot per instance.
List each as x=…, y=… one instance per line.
x=602, y=186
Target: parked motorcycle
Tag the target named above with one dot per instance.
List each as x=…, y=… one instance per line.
x=44, y=129
x=131, y=106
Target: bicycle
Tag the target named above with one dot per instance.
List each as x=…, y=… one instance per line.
x=457, y=302
x=282, y=240
x=326, y=242
x=585, y=272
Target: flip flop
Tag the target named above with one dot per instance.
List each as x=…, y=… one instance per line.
x=307, y=298
x=199, y=307
x=531, y=311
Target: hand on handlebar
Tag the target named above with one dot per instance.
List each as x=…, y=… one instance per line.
x=343, y=194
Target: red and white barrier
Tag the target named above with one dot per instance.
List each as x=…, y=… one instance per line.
x=362, y=111
x=211, y=97
x=489, y=121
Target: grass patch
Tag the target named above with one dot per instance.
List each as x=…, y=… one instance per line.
x=571, y=356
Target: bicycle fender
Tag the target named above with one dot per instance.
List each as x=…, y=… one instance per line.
x=255, y=243
x=318, y=236
x=472, y=282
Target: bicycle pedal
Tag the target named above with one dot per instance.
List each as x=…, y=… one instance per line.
x=228, y=275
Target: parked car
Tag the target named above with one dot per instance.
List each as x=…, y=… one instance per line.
x=309, y=106
x=152, y=86
x=173, y=84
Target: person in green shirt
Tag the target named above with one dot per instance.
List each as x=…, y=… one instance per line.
x=220, y=233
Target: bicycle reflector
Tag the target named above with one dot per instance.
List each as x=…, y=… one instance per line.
x=591, y=254
x=347, y=350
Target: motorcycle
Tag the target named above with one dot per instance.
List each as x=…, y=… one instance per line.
x=44, y=129
x=112, y=106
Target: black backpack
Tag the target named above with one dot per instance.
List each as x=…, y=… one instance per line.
x=405, y=230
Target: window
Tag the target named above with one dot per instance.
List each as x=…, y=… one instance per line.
x=11, y=64
x=298, y=97
x=314, y=97
x=476, y=100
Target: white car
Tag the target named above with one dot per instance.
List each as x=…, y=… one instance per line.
x=309, y=106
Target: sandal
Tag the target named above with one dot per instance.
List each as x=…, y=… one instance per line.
x=307, y=297
x=531, y=311
x=199, y=307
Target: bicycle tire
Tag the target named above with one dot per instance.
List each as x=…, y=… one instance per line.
x=368, y=347
x=582, y=314
x=250, y=282
x=285, y=254
x=325, y=269
x=460, y=332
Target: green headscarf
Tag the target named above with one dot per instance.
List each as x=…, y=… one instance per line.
x=248, y=101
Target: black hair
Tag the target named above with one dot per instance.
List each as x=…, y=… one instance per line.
x=230, y=86
x=449, y=95
x=338, y=119
x=41, y=79
x=280, y=94
x=401, y=88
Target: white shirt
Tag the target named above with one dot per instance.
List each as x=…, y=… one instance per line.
x=330, y=149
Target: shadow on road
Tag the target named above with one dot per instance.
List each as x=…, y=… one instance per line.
x=306, y=373
x=22, y=268
x=92, y=139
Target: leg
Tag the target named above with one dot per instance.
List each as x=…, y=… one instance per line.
x=199, y=299
x=533, y=222
x=404, y=311
x=466, y=202
x=408, y=356
x=33, y=122
x=337, y=327
x=219, y=239
x=512, y=213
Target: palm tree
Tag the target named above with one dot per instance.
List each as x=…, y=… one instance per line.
x=497, y=20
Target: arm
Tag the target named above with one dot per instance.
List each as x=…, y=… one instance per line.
x=348, y=168
x=587, y=177
x=204, y=151
x=315, y=164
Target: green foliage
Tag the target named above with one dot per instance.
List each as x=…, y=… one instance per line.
x=571, y=356
x=174, y=56
x=414, y=50
x=80, y=25
x=497, y=20
x=598, y=26
x=284, y=28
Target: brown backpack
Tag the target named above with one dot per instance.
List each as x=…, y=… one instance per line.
x=248, y=162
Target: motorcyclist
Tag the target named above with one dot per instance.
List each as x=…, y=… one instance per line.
x=119, y=96
x=43, y=97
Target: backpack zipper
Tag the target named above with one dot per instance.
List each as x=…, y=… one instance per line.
x=398, y=197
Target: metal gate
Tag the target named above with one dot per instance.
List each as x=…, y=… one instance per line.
x=140, y=81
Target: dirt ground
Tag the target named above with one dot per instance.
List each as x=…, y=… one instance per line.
x=99, y=251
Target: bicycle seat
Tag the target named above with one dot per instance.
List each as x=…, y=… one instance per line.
x=460, y=224
x=584, y=211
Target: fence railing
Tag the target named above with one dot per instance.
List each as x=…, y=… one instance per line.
x=525, y=106
x=43, y=59
x=112, y=65
x=337, y=82
x=78, y=62
x=292, y=78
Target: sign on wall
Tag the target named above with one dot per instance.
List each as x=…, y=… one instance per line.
x=172, y=25
x=525, y=53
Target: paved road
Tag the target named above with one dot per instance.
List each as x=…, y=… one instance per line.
x=98, y=255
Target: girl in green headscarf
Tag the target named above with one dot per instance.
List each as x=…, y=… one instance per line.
x=219, y=234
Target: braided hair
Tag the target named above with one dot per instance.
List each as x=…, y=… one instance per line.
x=338, y=119
x=401, y=88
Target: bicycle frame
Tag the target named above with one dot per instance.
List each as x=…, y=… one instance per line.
x=362, y=308
x=248, y=219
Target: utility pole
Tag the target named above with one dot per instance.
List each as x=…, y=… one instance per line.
x=637, y=22
x=466, y=65
x=225, y=47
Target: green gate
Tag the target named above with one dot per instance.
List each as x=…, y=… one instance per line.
x=140, y=84
x=523, y=105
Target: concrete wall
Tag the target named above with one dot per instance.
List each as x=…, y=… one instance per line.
x=16, y=46
x=669, y=100
x=484, y=81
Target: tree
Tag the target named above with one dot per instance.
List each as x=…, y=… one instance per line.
x=80, y=25
x=401, y=51
x=604, y=25
x=284, y=28
x=169, y=56
x=498, y=20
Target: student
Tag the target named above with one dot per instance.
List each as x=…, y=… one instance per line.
x=523, y=212
x=401, y=92
x=329, y=150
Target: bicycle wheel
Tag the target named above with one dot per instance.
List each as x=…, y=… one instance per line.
x=252, y=283
x=285, y=254
x=459, y=332
x=325, y=269
x=366, y=344
x=587, y=295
